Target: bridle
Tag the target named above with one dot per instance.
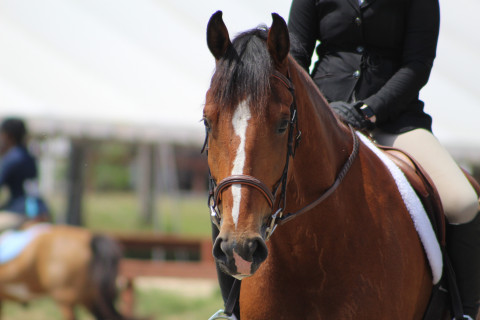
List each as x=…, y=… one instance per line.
x=276, y=218
x=215, y=190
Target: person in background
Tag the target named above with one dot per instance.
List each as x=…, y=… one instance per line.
x=374, y=56
x=18, y=172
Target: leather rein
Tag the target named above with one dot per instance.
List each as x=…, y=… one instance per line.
x=277, y=218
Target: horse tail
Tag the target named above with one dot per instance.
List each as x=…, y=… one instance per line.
x=104, y=270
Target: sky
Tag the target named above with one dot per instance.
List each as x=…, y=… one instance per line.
x=146, y=62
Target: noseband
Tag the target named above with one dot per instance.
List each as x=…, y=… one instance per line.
x=215, y=191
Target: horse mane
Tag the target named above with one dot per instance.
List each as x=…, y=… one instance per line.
x=244, y=71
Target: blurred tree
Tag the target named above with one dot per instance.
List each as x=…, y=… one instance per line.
x=109, y=167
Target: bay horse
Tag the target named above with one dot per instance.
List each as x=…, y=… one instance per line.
x=356, y=255
x=69, y=264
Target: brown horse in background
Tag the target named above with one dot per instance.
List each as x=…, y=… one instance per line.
x=354, y=256
x=71, y=265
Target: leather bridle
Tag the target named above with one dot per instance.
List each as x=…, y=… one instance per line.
x=277, y=218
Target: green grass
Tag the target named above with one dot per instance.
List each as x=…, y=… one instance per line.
x=171, y=306
x=119, y=211
x=157, y=304
x=41, y=309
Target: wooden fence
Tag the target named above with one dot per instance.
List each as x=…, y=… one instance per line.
x=157, y=247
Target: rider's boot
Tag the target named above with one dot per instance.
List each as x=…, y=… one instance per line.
x=463, y=245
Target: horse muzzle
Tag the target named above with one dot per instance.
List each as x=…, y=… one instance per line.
x=239, y=257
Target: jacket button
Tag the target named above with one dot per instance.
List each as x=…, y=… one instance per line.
x=360, y=49
x=358, y=21
x=356, y=74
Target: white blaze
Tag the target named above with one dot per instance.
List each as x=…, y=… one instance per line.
x=240, y=124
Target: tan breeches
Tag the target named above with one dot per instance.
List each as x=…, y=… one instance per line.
x=458, y=198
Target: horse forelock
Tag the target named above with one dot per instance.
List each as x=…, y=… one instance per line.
x=243, y=72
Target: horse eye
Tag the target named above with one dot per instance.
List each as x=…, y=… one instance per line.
x=206, y=123
x=283, y=126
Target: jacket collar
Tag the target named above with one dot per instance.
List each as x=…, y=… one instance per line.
x=357, y=6
x=366, y=3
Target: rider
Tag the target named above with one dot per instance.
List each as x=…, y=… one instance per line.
x=374, y=57
x=18, y=172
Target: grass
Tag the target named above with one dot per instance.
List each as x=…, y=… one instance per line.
x=119, y=211
x=170, y=306
x=41, y=309
x=157, y=304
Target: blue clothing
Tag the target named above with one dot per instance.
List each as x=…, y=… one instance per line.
x=32, y=206
x=18, y=166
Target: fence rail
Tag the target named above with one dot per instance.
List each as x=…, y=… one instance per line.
x=131, y=268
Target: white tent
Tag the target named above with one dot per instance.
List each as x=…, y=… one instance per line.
x=142, y=67
x=452, y=95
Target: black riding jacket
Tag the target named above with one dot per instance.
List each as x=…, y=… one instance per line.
x=380, y=52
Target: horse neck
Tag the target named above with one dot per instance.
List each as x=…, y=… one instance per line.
x=325, y=144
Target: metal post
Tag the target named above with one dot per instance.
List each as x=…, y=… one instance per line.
x=76, y=181
x=146, y=182
x=167, y=182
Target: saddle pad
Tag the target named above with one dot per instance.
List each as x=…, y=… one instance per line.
x=13, y=242
x=417, y=212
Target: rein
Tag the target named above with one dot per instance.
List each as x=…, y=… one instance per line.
x=346, y=167
x=277, y=218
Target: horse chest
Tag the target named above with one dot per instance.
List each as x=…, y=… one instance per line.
x=19, y=292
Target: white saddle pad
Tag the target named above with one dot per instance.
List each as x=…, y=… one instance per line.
x=417, y=212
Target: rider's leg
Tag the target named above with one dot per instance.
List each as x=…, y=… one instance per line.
x=464, y=251
x=460, y=204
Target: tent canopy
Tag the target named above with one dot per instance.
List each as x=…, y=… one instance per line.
x=120, y=67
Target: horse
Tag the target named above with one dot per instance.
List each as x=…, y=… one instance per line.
x=70, y=264
x=348, y=249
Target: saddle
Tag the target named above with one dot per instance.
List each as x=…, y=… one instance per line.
x=425, y=189
x=428, y=195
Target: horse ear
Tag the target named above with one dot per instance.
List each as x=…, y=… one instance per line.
x=278, y=41
x=218, y=39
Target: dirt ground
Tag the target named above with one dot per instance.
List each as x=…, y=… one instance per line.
x=185, y=287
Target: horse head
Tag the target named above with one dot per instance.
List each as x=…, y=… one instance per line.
x=248, y=120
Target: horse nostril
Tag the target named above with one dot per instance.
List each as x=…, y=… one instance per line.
x=252, y=250
x=218, y=249
x=258, y=249
x=252, y=246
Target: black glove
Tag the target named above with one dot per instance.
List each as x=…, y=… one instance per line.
x=350, y=114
